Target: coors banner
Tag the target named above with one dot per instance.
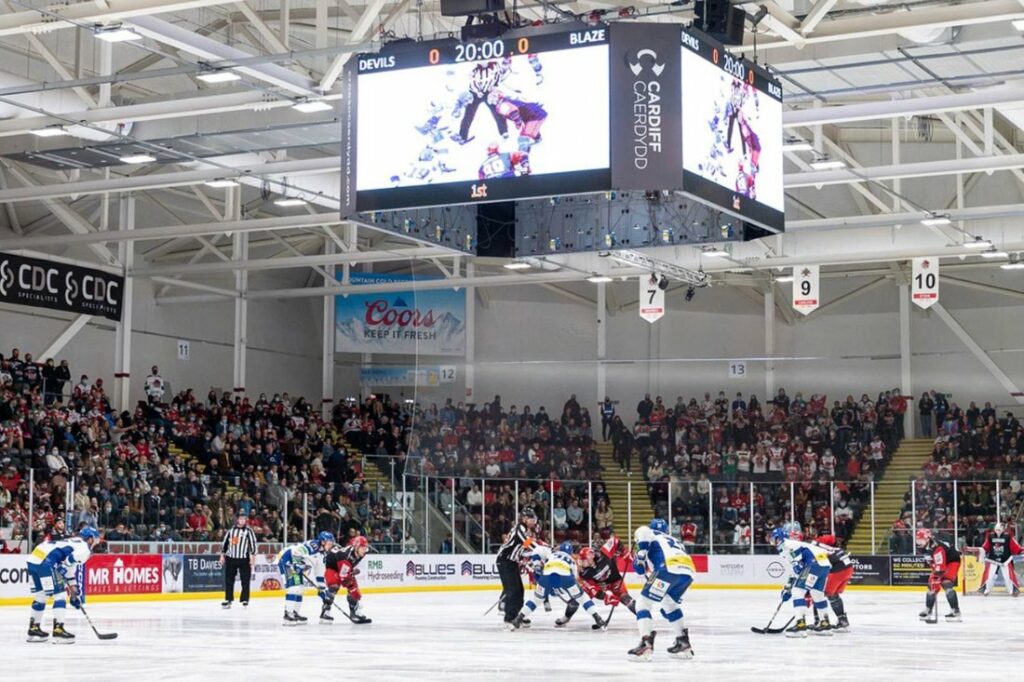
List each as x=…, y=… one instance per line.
x=646, y=107
x=59, y=286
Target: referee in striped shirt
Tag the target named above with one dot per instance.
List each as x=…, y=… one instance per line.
x=238, y=554
x=509, y=555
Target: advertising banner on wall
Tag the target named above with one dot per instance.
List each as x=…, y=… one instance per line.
x=407, y=322
x=60, y=286
x=174, y=570
x=124, y=574
x=910, y=570
x=203, y=573
x=378, y=377
x=13, y=576
x=870, y=570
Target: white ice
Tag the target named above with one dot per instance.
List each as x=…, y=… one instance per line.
x=441, y=635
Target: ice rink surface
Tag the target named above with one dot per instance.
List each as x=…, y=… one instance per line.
x=445, y=636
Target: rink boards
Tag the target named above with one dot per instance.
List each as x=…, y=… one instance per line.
x=132, y=577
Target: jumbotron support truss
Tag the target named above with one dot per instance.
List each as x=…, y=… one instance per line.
x=695, y=278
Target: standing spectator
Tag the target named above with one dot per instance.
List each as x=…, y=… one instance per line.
x=607, y=415
x=925, y=407
x=155, y=386
x=447, y=545
x=238, y=555
x=644, y=408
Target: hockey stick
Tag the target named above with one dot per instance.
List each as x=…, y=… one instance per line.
x=340, y=610
x=495, y=604
x=768, y=629
x=101, y=635
x=610, y=614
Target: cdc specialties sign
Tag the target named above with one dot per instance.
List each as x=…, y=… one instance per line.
x=60, y=286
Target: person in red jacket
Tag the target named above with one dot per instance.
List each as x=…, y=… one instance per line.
x=999, y=547
x=341, y=572
x=945, y=561
x=838, y=578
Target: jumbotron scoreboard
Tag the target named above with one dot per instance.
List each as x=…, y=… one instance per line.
x=448, y=122
x=562, y=110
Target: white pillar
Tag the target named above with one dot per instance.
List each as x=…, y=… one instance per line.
x=239, y=252
x=769, y=342
x=327, y=394
x=123, y=330
x=602, y=341
x=906, y=388
x=470, y=335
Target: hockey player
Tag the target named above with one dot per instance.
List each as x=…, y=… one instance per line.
x=528, y=117
x=340, y=571
x=294, y=561
x=838, y=578
x=504, y=164
x=558, y=578
x=53, y=569
x=945, y=573
x=669, y=572
x=809, y=568
x=999, y=547
x=602, y=576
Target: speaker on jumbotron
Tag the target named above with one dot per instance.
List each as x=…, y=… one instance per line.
x=463, y=8
x=720, y=20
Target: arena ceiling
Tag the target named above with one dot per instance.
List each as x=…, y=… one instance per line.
x=923, y=101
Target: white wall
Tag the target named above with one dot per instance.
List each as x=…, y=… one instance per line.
x=535, y=346
x=284, y=343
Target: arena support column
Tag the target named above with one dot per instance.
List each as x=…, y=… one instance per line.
x=123, y=330
x=239, y=252
x=327, y=394
x=602, y=341
x=769, y=340
x=906, y=387
x=470, y=333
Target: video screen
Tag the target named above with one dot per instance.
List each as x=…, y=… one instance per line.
x=732, y=136
x=521, y=124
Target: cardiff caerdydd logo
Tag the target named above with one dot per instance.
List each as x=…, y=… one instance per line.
x=636, y=64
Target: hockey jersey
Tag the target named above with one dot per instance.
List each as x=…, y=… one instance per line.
x=1000, y=548
x=804, y=556
x=62, y=556
x=661, y=553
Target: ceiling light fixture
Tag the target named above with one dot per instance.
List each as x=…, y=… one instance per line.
x=825, y=163
x=935, y=220
x=221, y=183
x=784, y=278
x=599, y=279
x=116, y=34
x=50, y=131
x=309, y=106
x=218, y=76
x=994, y=254
x=1018, y=24
x=978, y=243
x=1016, y=265
x=715, y=252
x=517, y=265
x=797, y=146
x=137, y=158
x=289, y=202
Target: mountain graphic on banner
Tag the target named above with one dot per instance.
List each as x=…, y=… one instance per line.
x=399, y=303
x=449, y=329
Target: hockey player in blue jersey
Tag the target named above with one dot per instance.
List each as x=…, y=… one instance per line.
x=53, y=569
x=809, y=568
x=669, y=570
x=556, y=576
x=294, y=562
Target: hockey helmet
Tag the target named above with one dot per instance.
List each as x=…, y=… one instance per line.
x=923, y=537
x=658, y=525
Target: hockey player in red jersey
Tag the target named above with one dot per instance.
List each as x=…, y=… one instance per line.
x=838, y=578
x=602, y=575
x=1000, y=547
x=945, y=562
x=340, y=573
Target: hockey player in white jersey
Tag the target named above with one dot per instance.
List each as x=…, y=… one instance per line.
x=809, y=568
x=294, y=562
x=52, y=570
x=669, y=570
x=556, y=577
